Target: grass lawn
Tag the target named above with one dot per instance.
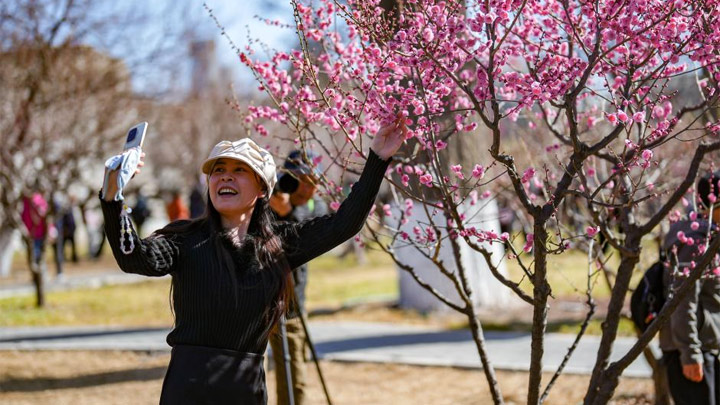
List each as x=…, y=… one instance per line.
x=333, y=283
x=128, y=305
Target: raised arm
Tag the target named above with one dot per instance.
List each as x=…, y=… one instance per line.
x=154, y=256
x=309, y=239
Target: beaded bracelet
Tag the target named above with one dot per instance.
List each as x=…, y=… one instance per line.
x=126, y=229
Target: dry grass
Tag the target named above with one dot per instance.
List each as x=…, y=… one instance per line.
x=80, y=378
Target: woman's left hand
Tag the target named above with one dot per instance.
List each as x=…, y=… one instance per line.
x=388, y=139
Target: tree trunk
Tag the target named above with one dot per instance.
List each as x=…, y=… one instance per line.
x=610, y=326
x=541, y=291
x=477, y=333
x=37, y=271
x=7, y=245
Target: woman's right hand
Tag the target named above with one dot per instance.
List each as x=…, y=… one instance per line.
x=112, y=187
x=389, y=138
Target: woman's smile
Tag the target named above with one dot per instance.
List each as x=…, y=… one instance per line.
x=227, y=191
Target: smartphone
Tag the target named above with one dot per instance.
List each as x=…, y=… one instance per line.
x=136, y=136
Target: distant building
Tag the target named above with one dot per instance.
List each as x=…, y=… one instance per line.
x=208, y=75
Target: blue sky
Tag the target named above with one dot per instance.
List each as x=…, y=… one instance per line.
x=239, y=18
x=155, y=31
x=241, y=22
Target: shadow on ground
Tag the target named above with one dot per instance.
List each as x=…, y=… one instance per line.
x=451, y=336
x=78, y=334
x=89, y=380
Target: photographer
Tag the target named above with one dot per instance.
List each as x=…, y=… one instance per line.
x=293, y=202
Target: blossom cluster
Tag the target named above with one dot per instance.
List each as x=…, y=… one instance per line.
x=454, y=69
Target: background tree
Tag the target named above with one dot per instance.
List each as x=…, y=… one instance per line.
x=65, y=96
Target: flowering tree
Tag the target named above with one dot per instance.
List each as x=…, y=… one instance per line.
x=587, y=85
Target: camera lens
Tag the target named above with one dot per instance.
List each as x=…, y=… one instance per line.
x=131, y=135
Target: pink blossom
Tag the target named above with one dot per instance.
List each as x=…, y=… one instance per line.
x=504, y=236
x=681, y=237
x=457, y=169
x=622, y=116
x=529, y=239
x=528, y=174
x=334, y=205
x=591, y=231
x=426, y=180
x=428, y=34
x=658, y=112
x=478, y=172
x=639, y=116
x=612, y=118
x=647, y=154
x=694, y=225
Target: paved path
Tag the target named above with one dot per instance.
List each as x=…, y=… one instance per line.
x=339, y=341
x=72, y=282
x=351, y=341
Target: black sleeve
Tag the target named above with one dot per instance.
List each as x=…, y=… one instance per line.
x=154, y=256
x=306, y=240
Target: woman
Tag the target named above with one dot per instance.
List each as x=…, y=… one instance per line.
x=230, y=269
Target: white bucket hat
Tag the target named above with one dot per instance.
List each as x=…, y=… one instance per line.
x=247, y=151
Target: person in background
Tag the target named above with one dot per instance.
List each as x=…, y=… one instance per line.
x=55, y=236
x=690, y=339
x=294, y=202
x=34, y=215
x=141, y=212
x=68, y=229
x=176, y=208
x=197, y=199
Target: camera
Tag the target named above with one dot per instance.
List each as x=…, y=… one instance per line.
x=287, y=183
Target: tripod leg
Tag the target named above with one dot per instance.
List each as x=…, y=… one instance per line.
x=286, y=358
x=315, y=357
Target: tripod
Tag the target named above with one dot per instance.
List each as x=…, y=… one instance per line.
x=286, y=358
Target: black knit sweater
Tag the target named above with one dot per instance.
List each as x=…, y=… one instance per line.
x=215, y=308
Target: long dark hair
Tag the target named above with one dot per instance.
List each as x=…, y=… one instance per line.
x=267, y=246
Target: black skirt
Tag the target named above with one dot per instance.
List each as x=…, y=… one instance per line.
x=206, y=375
